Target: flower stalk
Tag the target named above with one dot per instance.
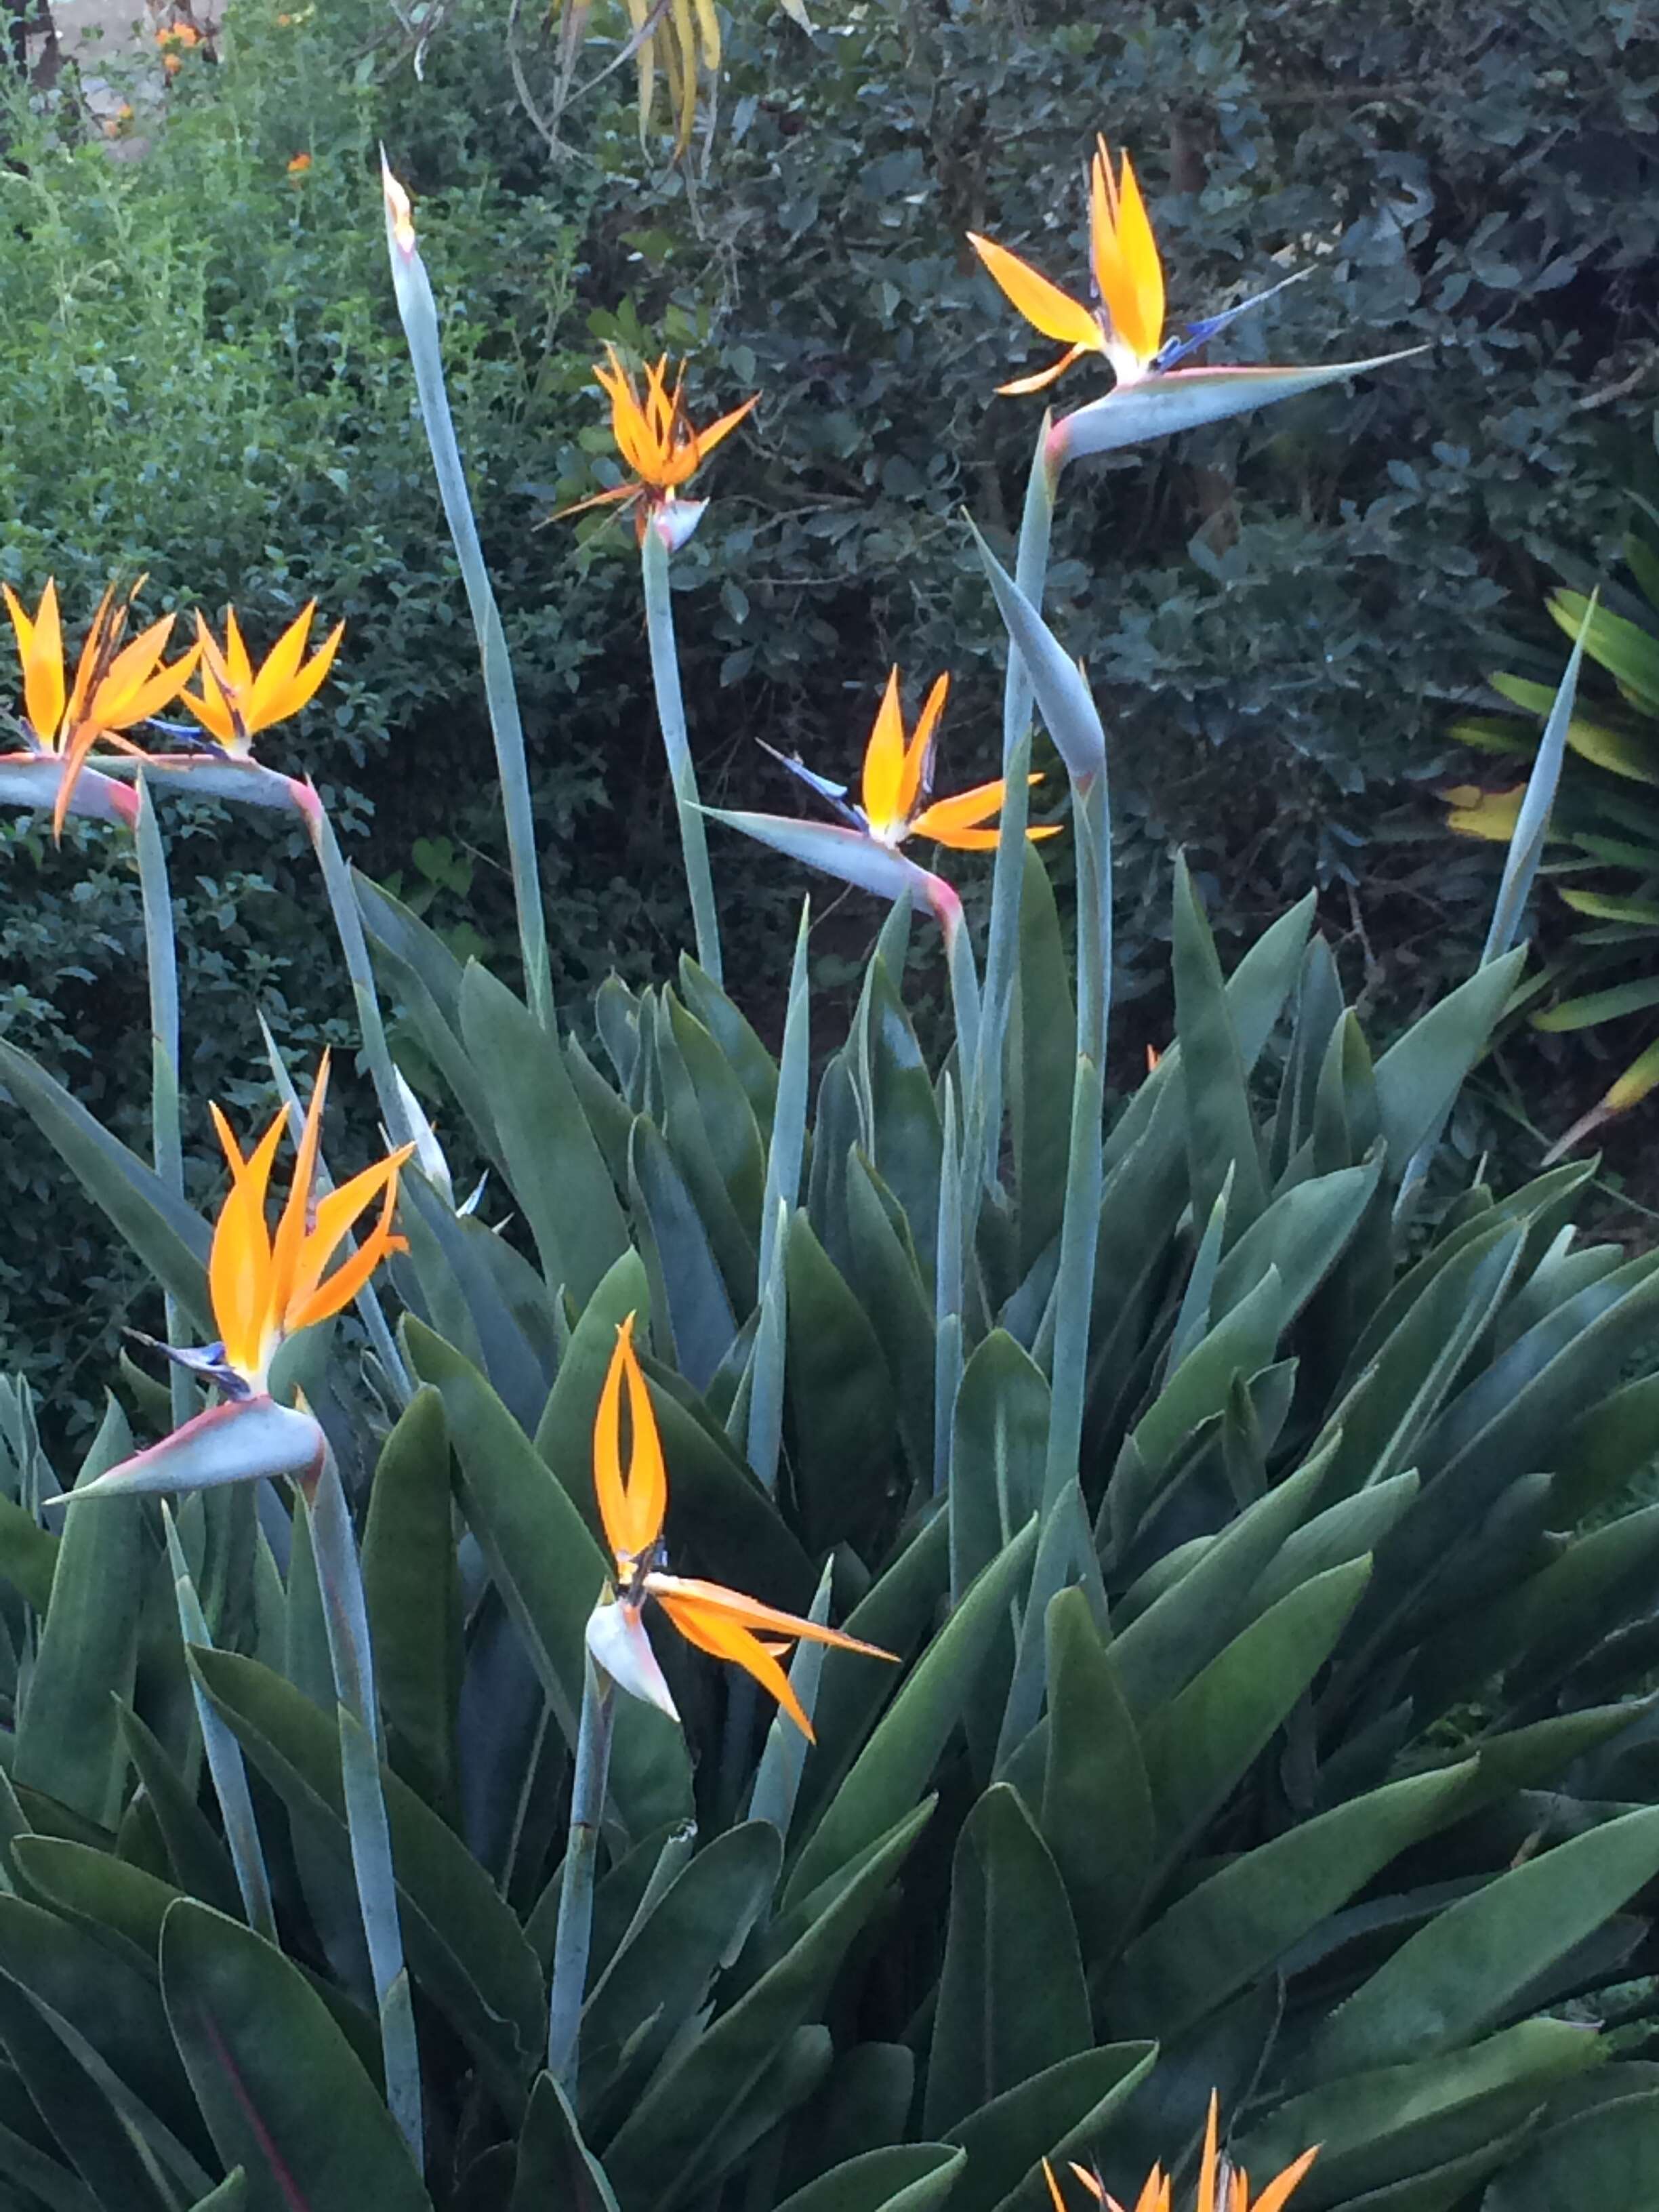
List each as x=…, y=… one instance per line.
x=418, y=313
x=671, y=718
x=573, y=1934
x=162, y=968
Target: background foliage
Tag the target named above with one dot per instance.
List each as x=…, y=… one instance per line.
x=200, y=362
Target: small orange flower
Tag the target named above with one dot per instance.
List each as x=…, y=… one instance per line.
x=633, y=1506
x=898, y=777
x=1126, y=325
x=116, y=685
x=658, y=441
x=266, y=1289
x=1222, y=2186
x=235, y=703
x=299, y=165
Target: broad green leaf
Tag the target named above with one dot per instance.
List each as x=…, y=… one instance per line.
x=887, y=1277
x=687, y=1294
x=1001, y=1438
x=899, y=2178
x=116, y=2170
x=550, y=1571
x=748, y=1058
x=1612, y=1440
x=1303, y=1233
x=413, y=1595
x=201, y=1865
x=841, y=1399
x=1221, y=1134
x=464, y=1944
x=1600, y=2161
x=168, y=1237
x=896, y=1613
x=110, y=2004
x=67, y=1741
x=662, y=1971
x=554, y=1166
x=1455, y=1978
x=1012, y=1999
x=1097, y=1815
x=230, y=2195
x=893, y=1769
x=1055, y=2116
x=1242, y=1343
x=1199, y=1746
x=554, y=2166
x=1161, y=1650
x=732, y=1236
x=729, y=1119
x=1378, y=2127
x=1241, y=1922
x=118, y=1903
x=459, y=1264
x=1389, y=1408
x=283, y=2093
x=673, y=2139
x=863, y=2106
x=29, y=1554
x=1419, y=1078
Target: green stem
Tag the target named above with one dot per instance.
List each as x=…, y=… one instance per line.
x=1007, y=881
x=953, y=1187
x=345, y=1616
x=224, y=1753
x=419, y=313
x=671, y=714
x=161, y=963
x=348, y=926
x=575, y=1932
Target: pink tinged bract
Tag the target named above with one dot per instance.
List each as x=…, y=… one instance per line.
x=1156, y=406
x=33, y=781
x=242, y=1442
x=851, y=854
x=617, y=1641
x=214, y=775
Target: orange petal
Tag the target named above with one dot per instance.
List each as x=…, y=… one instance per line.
x=947, y=820
x=708, y=439
x=1043, y=305
x=335, y=1216
x=266, y=693
x=349, y=1277
x=884, y=762
x=305, y=685
x=1091, y=2182
x=725, y=1638
x=238, y=1265
x=1274, y=2197
x=291, y=1230
x=918, y=760
x=1206, y=2172
x=40, y=650
x=1055, y=2196
x=1044, y=377
x=1127, y=266
x=749, y=1613
x=633, y=1504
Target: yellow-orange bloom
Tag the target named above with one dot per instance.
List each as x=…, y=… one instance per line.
x=116, y=685
x=235, y=701
x=1222, y=2186
x=1127, y=322
x=633, y=1503
x=897, y=782
x=267, y=1288
x=655, y=435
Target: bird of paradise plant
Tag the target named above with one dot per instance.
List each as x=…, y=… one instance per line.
x=1222, y=2187
x=264, y=1289
x=664, y=449
x=633, y=1503
x=896, y=801
x=658, y=440
x=118, y=683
